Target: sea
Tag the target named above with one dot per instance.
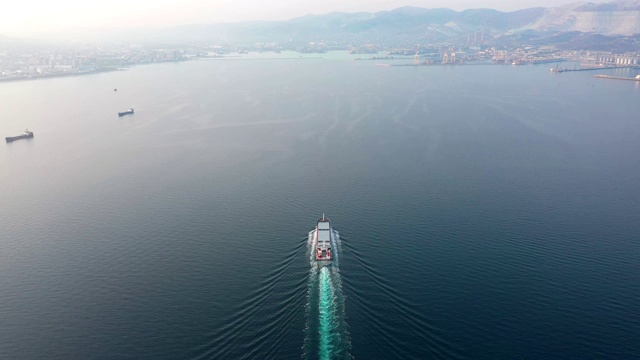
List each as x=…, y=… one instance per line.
x=479, y=212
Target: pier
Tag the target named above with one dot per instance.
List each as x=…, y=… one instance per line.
x=558, y=70
x=600, y=76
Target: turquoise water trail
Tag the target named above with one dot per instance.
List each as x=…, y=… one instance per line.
x=328, y=321
x=326, y=333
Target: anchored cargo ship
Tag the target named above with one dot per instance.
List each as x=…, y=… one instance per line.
x=25, y=135
x=323, y=241
x=130, y=111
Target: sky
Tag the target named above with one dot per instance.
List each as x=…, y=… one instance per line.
x=18, y=16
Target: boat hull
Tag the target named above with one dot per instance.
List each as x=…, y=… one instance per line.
x=324, y=263
x=19, y=137
x=323, y=243
x=123, y=113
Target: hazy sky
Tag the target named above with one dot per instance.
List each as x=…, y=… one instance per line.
x=45, y=15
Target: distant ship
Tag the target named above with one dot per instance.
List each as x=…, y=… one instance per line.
x=25, y=135
x=323, y=241
x=130, y=111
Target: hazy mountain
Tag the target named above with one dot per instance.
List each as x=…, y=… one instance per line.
x=620, y=17
x=616, y=18
x=571, y=40
x=402, y=26
x=622, y=5
x=10, y=42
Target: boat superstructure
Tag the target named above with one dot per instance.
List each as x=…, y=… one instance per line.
x=25, y=135
x=123, y=113
x=323, y=242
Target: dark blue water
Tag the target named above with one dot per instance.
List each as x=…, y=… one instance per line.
x=484, y=212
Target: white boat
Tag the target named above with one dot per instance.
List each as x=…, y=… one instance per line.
x=323, y=242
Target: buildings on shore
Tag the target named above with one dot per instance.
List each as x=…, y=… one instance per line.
x=40, y=62
x=51, y=61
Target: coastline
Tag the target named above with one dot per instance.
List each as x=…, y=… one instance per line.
x=40, y=77
x=93, y=72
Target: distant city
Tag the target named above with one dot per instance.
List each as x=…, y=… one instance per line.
x=35, y=63
x=591, y=35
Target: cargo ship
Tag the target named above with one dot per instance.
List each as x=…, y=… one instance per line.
x=123, y=113
x=25, y=135
x=322, y=242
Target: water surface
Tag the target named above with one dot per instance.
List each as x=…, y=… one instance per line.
x=485, y=211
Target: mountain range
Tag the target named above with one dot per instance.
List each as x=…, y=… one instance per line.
x=619, y=18
x=408, y=25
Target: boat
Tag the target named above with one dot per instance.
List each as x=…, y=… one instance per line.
x=130, y=111
x=323, y=241
x=25, y=135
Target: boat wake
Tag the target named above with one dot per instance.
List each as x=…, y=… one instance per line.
x=326, y=332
